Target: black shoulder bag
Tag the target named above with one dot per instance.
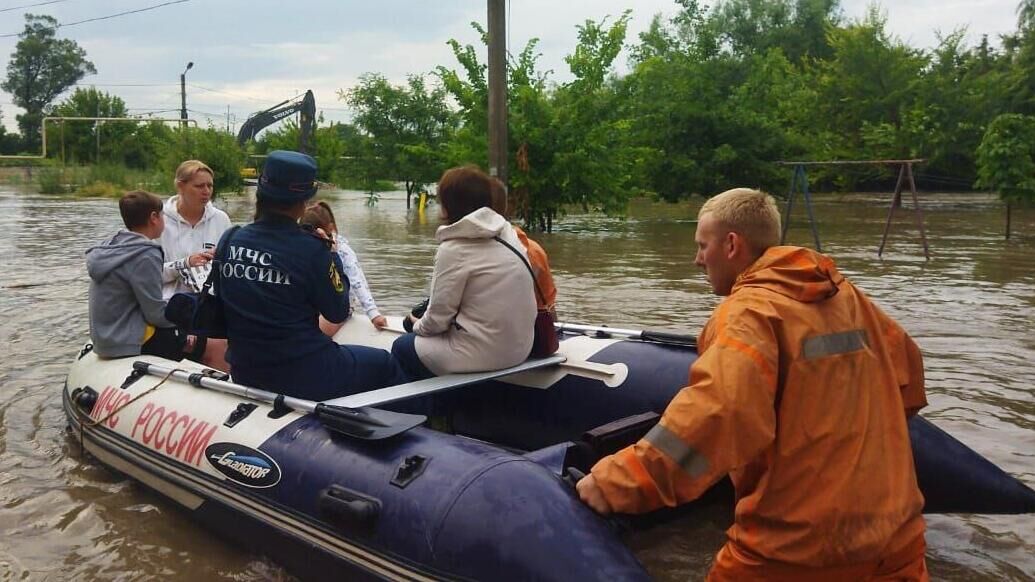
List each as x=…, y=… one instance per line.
x=202, y=313
x=544, y=342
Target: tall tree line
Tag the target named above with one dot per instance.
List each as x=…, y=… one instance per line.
x=712, y=97
x=715, y=95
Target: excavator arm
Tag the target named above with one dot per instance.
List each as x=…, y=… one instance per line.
x=305, y=107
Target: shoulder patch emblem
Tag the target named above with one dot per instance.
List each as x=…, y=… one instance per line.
x=335, y=277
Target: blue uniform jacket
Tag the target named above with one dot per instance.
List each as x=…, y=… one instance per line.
x=275, y=280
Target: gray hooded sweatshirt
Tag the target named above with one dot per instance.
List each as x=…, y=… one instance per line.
x=125, y=293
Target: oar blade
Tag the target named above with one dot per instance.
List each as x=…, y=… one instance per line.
x=369, y=424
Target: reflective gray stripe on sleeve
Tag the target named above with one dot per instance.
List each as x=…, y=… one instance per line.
x=836, y=343
x=676, y=449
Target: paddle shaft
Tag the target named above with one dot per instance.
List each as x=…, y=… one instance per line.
x=646, y=335
x=202, y=381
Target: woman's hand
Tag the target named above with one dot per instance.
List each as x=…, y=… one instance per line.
x=379, y=321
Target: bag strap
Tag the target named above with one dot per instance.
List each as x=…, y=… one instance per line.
x=527, y=265
x=213, y=273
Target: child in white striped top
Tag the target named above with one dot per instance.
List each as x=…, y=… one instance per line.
x=319, y=215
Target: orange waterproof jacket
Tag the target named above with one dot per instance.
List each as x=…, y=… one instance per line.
x=801, y=394
x=541, y=268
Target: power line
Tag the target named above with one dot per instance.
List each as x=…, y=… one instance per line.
x=156, y=112
x=66, y=24
x=31, y=5
x=226, y=93
x=206, y=113
x=87, y=84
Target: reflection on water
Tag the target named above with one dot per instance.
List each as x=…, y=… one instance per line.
x=971, y=308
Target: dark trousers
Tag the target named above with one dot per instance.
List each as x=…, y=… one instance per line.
x=404, y=350
x=337, y=371
x=168, y=343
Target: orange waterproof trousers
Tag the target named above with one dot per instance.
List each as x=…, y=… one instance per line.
x=905, y=565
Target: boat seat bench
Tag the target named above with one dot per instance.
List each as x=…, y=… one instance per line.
x=410, y=390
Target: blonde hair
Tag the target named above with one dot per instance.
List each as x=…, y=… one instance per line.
x=188, y=169
x=750, y=213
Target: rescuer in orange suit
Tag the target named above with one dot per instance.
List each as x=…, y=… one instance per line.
x=801, y=394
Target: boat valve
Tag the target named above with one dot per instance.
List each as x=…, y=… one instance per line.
x=85, y=398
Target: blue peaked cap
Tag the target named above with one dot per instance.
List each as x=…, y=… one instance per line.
x=287, y=177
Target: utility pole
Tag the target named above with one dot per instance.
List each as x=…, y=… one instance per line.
x=498, y=89
x=183, y=94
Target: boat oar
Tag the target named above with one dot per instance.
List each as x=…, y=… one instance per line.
x=661, y=337
x=361, y=423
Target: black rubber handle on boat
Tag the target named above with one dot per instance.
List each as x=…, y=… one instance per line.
x=572, y=476
x=349, y=509
x=663, y=337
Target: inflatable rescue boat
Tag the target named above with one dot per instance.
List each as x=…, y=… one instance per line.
x=360, y=487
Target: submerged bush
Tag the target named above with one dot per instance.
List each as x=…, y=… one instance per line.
x=101, y=189
x=52, y=181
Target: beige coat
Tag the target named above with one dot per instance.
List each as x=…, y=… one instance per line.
x=482, y=309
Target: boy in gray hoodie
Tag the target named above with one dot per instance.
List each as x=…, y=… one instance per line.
x=126, y=306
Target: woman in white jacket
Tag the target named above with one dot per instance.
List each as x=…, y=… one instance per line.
x=192, y=229
x=482, y=310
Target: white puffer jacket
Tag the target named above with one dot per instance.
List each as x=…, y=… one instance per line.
x=180, y=240
x=482, y=310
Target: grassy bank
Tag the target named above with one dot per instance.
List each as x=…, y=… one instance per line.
x=102, y=180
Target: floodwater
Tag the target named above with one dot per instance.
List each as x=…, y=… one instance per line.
x=971, y=309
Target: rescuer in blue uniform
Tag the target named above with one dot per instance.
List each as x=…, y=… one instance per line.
x=276, y=279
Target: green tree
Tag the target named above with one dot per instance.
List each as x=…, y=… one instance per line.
x=712, y=117
x=797, y=27
x=568, y=144
x=79, y=140
x=213, y=146
x=866, y=91
x=9, y=143
x=408, y=125
x=1020, y=53
x=685, y=34
x=593, y=164
x=144, y=147
x=41, y=68
x=1026, y=14
x=960, y=91
x=1006, y=160
x=1006, y=157
x=328, y=145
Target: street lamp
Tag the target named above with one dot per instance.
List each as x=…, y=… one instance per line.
x=183, y=93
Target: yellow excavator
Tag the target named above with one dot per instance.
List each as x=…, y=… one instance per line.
x=305, y=106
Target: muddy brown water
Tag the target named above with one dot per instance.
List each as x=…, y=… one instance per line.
x=971, y=308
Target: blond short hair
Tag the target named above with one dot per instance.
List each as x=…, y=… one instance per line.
x=751, y=213
x=188, y=169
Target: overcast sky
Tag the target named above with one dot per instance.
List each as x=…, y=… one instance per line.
x=251, y=54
